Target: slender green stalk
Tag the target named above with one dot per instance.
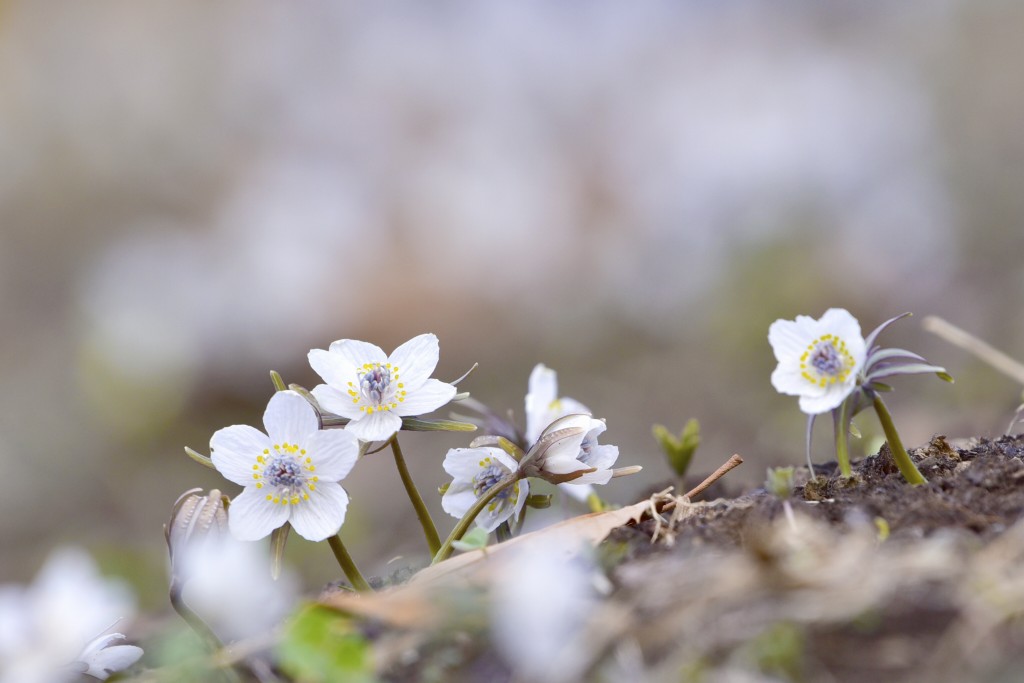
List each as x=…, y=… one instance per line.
x=843, y=439
x=907, y=467
x=348, y=565
x=467, y=519
x=429, y=530
x=200, y=627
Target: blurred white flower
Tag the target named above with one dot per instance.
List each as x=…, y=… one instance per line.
x=228, y=583
x=475, y=470
x=818, y=359
x=291, y=474
x=375, y=390
x=48, y=631
x=541, y=604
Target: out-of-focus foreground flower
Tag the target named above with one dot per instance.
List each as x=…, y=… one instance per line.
x=53, y=630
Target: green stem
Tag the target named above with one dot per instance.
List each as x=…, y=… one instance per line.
x=200, y=627
x=348, y=565
x=907, y=467
x=467, y=519
x=843, y=439
x=429, y=530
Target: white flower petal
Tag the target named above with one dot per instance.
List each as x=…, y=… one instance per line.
x=334, y=452
x=429, y=397
x=334, y=401
x=376, y=427
x=459, y=497
x=596, y=477
x=603, y=456
x=815, y=405
x=289, y=418
x=332, y=367
x=252, y=517
x=506, y=461
x=111, y=659
x=464, y=463
x=788, y=379
x=495, y=513
x=788, y=340
x=322, y=515
x=358, y=353
x=234, y=451
x=576, y=491
x=416, y=360
x=542, y=390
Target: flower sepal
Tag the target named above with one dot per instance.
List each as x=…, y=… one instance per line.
x=499, y=442
x=553, y=478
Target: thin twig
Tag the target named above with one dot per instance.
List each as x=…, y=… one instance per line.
x=730, y=464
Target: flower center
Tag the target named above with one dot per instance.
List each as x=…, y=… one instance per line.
x=826, y=361
x=284, y=472
x=378, y=386
x=287, y=470
x=487, y=478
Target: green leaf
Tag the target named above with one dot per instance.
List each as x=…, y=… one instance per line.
x=474, y=540
x=780, y=482
x=679, y=450
x=323, y=646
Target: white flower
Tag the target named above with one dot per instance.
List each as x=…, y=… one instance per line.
x=542, y=600
x=48, y=631
x=543, y=405
x=290, y=474
x=375, y=390
x=577, y=451
x=228, y=583
x=818, y=359
x=102, y=657
x=475, y=470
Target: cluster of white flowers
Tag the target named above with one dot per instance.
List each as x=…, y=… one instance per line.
x=572, y=456
x=293, y=472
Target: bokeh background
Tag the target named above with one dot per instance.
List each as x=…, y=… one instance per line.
x=194, y=193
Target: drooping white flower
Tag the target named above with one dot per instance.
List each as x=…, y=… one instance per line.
x=290, y=474
x=543, y=405
x=474, y=471
x=374, y=390
x=48, y=631
x=819, y=360
x=573, y=449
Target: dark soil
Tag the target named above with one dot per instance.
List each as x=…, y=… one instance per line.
x=863, y=579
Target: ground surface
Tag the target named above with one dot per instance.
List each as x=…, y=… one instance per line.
x=866, y=579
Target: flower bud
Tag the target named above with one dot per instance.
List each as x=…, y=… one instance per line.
x=194, y=518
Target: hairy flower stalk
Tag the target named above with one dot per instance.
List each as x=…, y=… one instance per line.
x=422, y=513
